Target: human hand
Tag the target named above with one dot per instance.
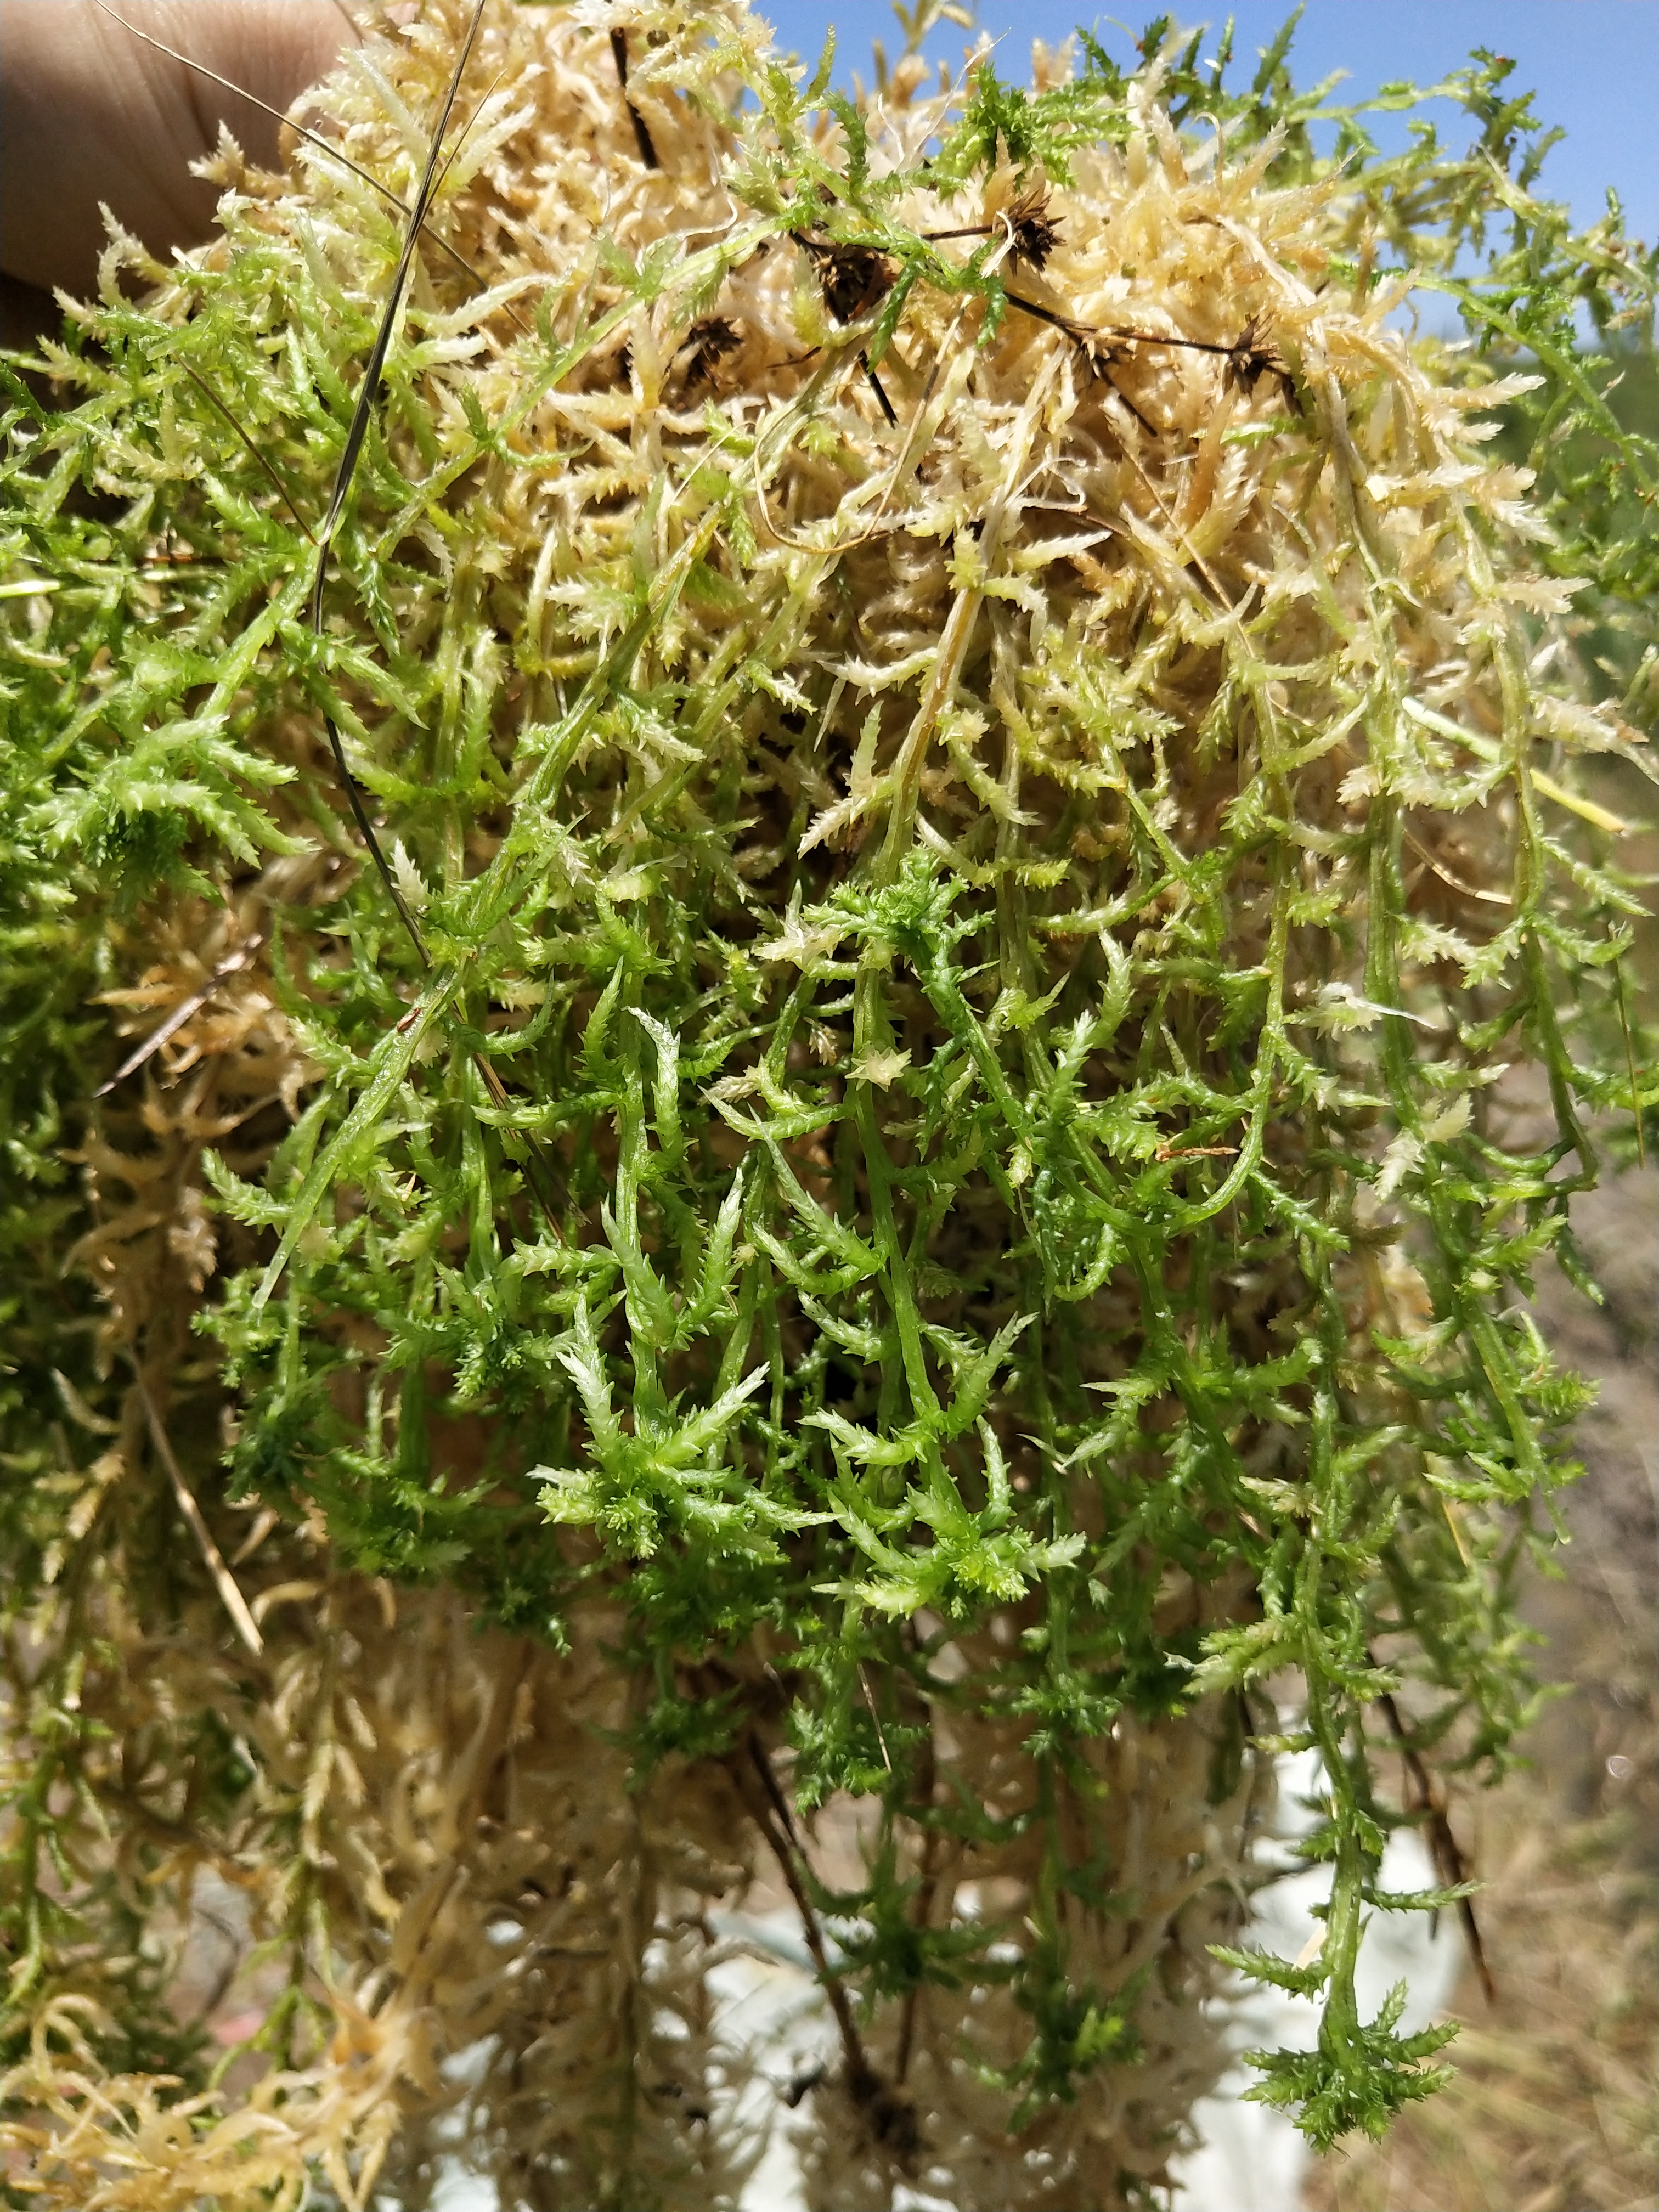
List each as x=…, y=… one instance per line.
x=88, y=113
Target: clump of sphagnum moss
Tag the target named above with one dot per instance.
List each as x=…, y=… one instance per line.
x=892, y=1212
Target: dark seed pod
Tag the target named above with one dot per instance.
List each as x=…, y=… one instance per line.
x=707, y=344
x=1033, y=231
x=1252, y=355
x=853, y=279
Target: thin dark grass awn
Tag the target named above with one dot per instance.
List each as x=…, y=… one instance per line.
x=543, y=1175
x=262, y=460
x=642, y=137
x=301, y=131
x=361, y=415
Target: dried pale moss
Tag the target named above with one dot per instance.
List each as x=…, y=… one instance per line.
x=894, y=1197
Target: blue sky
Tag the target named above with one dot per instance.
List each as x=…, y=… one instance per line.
x=1594, y=64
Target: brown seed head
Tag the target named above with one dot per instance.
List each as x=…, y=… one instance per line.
x=1252, y=355
x=707, y=344
x=1033, y=231
x=853, y=279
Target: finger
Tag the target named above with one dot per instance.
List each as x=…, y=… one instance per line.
x=88, y=113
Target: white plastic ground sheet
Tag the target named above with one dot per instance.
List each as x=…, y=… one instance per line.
x=1248, y=2158
x=1251, y=2159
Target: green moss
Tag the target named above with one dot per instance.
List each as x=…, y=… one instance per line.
x=836, y=1163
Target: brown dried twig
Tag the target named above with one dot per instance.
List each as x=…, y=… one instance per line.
x=890, y=2116
x=1250, y=357
x=1425, y=1801
x=1247, y=360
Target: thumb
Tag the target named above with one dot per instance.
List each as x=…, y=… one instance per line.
x=89, y=112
